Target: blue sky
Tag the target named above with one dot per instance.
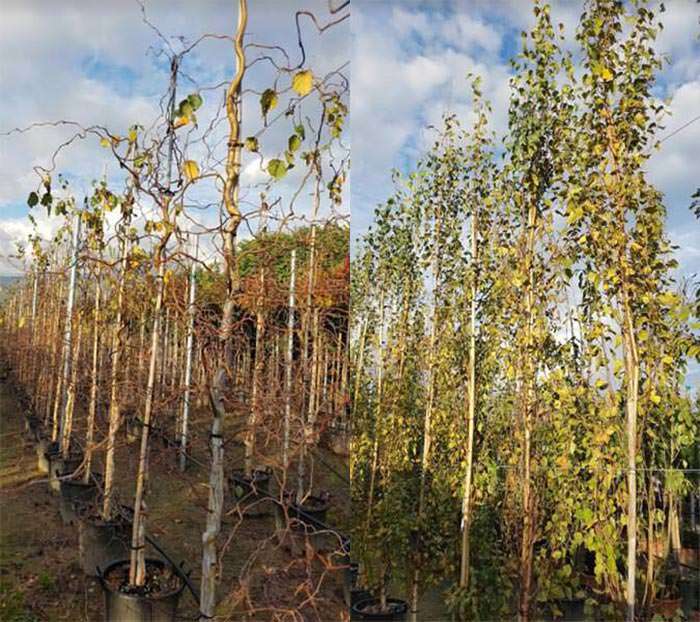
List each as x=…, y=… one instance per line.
x=97, y=62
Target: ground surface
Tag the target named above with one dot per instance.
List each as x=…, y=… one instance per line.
x=40, y=578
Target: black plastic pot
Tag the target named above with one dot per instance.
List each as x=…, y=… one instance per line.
x=247, y=491
x=399, y=609
x=350, y=582
x=101, y=542
x=301, y=513
x=302, y=525
x=313, y=507
x=43, y=446
x=123, y=607
x=572, y=610
x=133, y=429
x=60, y=467
x=75, y=494
x=690, y=595
x=32, y=427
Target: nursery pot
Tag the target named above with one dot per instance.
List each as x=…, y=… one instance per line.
x=368, y=609
x=572, y=610
x=247, y=490
x=350, y=582
x=43, y=446
x=60, y=467
x=32, y=427
x=690, y=596
x=314, y=508
x=101, y=542
x=666, y=607
x=122, y=606
x=133, y=430
x=75, y=494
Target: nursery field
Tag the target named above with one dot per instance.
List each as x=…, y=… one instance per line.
x=42, y=577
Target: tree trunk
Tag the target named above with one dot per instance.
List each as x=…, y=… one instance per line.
x=71, y=393
x=220, y=379
x=288, y=367
x=114, y=397
x=258, y=364
x=632, y=365
x=188, y=366
x=68, y=335
x=137, y=569
x=471, y=409
x=527, y=415
x=94, y=386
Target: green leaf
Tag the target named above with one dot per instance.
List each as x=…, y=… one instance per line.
x=294, y=142
x=32, y=199
x=268, y=101
x=277, y=168
x=303, y=82
x=300, y=131
x=185, y=109
x=669, y=299
x=251, y=144
x=195, y=100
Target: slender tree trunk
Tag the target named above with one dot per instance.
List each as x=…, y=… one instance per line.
x=71, y=393
x=114, y=397
x=258, y=363
x=220, y=380
x=94, y=386
x=528, y=407
x=632, y=371
x=288, y=366
x=188, y=365
x=471, y=410
x=427, y=422
x=68, y=336
x=137, y=569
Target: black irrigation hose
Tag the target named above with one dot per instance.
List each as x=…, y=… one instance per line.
x=332, y=469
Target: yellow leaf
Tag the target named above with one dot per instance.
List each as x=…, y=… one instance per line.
x=656, y=398
x=191, y=169
x=303, y=82
x=105, y=142
x=180, y=121
x=606, y=74
x=132, y=135
x=563, y=463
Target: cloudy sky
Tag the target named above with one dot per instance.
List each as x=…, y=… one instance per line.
x=409, y=63
x=98, y=62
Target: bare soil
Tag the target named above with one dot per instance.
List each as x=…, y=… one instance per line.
x=40, y=576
